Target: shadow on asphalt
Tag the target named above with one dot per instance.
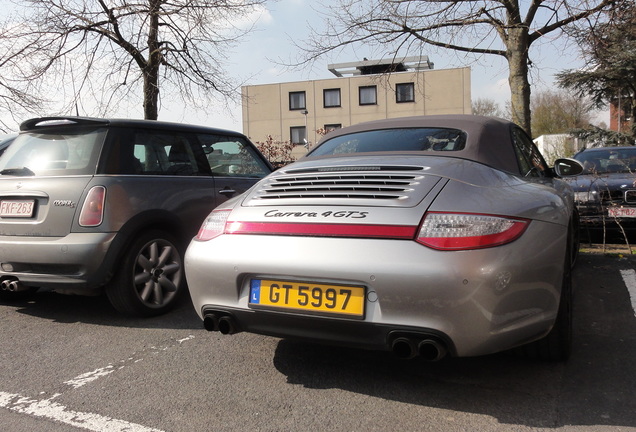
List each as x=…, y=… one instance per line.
x=595, y=387
x=62, y=308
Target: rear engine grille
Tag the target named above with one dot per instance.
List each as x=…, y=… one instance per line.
x=383, y=186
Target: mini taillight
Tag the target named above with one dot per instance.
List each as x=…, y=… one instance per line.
x=214, y=225
x=92, y=213
x=460, y=231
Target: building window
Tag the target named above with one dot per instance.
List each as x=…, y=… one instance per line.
x=298, y=134
x=297, y=100
x=405, y=92
x=368, y=95
x=332, y=127
x=331, y=98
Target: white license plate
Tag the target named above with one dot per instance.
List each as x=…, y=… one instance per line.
x=622, y=212
x=16, y=208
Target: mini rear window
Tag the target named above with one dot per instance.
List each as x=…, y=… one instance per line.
x=59, y=152
x=394, y=140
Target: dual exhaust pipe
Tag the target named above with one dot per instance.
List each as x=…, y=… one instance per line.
x=427, y=348
x=223, y=323
x=12, y=285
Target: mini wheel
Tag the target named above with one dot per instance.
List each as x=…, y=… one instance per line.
x=150, y=276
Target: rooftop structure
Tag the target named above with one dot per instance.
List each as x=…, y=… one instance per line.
x=388, y=65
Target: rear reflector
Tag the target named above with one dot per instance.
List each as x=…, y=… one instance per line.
x=92, y=213
x=459, y=231
x=323, y=230
x=217, y=223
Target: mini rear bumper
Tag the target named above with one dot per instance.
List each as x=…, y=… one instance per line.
x=78, y=259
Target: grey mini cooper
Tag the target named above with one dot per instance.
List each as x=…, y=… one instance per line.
x=88, y=205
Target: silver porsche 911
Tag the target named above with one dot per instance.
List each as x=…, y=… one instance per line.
x=428, y=236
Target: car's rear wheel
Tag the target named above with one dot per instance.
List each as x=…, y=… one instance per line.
x=557, y=345
x=150, y=276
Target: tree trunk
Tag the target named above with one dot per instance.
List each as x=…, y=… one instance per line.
x=151, y=94
x=151, y=71
x=517, y=46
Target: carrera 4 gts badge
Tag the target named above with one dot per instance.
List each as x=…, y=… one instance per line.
x=327, y=214
x=64, y=203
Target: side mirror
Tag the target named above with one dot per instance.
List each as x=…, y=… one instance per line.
x=567, y=167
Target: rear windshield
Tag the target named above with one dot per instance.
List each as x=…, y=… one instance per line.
x=394, y=140
x=608, y=161
x=59, y=152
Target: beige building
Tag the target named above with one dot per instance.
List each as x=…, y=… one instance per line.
x=297, y=111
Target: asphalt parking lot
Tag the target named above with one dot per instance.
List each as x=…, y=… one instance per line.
x=74, y=364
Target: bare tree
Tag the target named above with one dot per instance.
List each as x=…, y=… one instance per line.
x=104, y=50
x=505, y=28
x=557, y=112
x=278, y=153
x=15, y=98
x=486, y=107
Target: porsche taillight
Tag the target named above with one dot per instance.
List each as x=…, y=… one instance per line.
x=214, y=225
x=442, y=231
x=92, y=213
x=462, y=231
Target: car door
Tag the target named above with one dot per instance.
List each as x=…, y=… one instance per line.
x=153, y=174
x=234, y=162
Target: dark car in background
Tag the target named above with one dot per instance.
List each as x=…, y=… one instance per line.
x=88, y=205
x=605, y=193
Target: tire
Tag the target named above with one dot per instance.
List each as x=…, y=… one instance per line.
x=575, y=235
x=150, y=276
x=557, y=344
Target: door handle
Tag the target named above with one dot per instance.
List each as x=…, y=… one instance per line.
x=227, y=191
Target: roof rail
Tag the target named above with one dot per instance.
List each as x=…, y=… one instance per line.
x=57, y=121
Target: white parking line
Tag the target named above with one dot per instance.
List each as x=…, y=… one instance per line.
x=51, y=410
x=48, y=409
x=90, y=376
x=629, y=277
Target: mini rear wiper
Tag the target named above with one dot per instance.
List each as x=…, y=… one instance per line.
x=24, y=171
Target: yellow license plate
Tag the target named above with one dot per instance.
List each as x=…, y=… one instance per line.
x=315, y=298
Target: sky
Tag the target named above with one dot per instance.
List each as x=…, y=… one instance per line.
x=256, y=61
